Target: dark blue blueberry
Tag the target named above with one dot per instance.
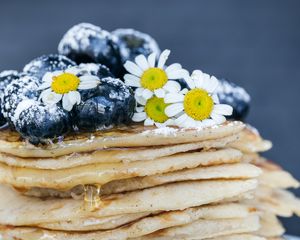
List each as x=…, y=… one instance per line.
x=6, y=77
x=18, y=90
x=132, y=43
x=110, y=104
x=47, y=63
x=87, y=43
x=39, y=123
x=235, y=96
x=95, y=69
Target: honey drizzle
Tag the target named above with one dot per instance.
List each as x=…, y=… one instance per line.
x=92, y=200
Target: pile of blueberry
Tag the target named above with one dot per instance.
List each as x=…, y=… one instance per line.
x=102, y=54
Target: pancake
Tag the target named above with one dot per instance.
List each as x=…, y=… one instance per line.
x=238, y=237
x=199, y=229
x=270, y=226
x=278, y=201
x=274, y=176
x=202, y=229
x=64, y=179
x=129, y=136
x=113, y=155
x=251, y=142
x=18, y=210
x=221, y=211
x=223, y=171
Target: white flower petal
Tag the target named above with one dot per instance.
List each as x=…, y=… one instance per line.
x=45, y=85
x=140, y=100
x=57, y=73
x=174, y=98
x=215, y=98
x=190, y=123
x=132, y=68
x=73, y=70
x=211, y=85
x=223, y=109
x=206, y=82
x=89, y=78
x=163, y=58
x=67, y=105
x=142, y=62
x=197, y=74
x=199, y=124
x=172, y=86
x=159, y=125
x=173, y=109
x=151, y=60
x=148, y=122
x=178, y=74
x=173, y=67
x=48, y=77
x=190, y=82
x=147, y=94
x=50, y=98
x=74, y=97
x=88, y=82
x=139, y=117
x=131, y=80
x=199, y=83
x=139, y=91
x=160, y=93
x=180, y=120
x=139, y=109
x=184, y=91
x=169, y=122
x=217, y=118
x=208, y=123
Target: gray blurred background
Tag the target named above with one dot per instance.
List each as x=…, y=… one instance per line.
x=253, y=43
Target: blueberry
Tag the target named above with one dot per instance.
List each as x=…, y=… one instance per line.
x=87, y=43
x=18, y=90
x=110, y=104
x=6, y=77
x=47, y=63
x=235, y=96
x=95, y=69
x=39, y=123
x=132, y=43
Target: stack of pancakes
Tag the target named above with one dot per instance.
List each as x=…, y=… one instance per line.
x=139, y=182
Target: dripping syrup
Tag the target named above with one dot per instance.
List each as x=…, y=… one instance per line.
x=92, y=200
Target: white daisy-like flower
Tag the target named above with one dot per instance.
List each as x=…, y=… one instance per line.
x=64, y=85
x=151, y=78
x=152, y=112
x=198, y=106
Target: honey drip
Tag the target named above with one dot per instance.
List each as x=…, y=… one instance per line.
x=92, y=198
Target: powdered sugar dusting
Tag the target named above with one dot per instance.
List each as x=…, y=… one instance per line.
x=165, y=131
x=21, y=107
x=17, y=91
x=79, y=37
x=123, y=92
x=225, y=89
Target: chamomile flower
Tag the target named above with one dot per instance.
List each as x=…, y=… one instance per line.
x=199, y=105
x=64, y=85
x=151, y=78
x=153, y=113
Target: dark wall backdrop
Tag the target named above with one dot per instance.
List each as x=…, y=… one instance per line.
x=253, y=43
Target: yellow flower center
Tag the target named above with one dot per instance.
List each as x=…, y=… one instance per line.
x=198, y=104
x=155, y=109
x=154, y=78
x=65, y=83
